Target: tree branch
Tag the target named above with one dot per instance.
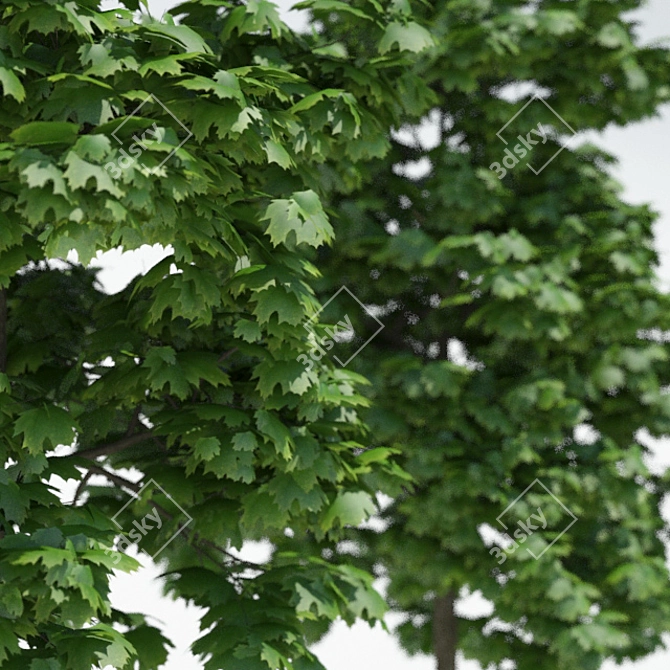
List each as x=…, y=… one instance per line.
x=133, y=421
x=196, y=539
x=80, y=486
x=115, y=479
x=114, y=447
x=225, y=355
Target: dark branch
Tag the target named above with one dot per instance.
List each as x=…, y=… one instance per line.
x=115, y=447
x=196, y=539
x=80, y=487
x=226, y=354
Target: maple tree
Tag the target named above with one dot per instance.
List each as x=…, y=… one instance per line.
x=221, y=134
x=523, y=340
x=203, y=133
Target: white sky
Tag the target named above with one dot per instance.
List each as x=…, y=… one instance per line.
x=644, y=152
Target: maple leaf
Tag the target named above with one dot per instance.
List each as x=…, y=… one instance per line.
x=300, y=219
x=43, y=424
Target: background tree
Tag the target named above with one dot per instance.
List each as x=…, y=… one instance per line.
x=189, y=376
x=545, y=283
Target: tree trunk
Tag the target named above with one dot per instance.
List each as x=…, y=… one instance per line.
x=445, y=632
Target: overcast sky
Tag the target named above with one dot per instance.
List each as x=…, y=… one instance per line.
x=644, y=169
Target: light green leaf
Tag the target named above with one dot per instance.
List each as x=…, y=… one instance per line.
x=636, y=77
x=559, y=21
x=181, y=35
x=298, y=220
x=244, y=441
x=555, y=299
x=334, y=6
x=270, y=426
x=11, y=85
x=79, y=172
x=408, y=36
x=102, y=64
x=206, y=448
x=613, y=36
x=609, y=376
x=164, y=65
x=248, y=330
x=350, y=508
x=517, y=246
x=277, y=154
x=46, y=132
x=117, y=653
x=95, y=147
x=223, y=85
x=39, y=174
x=312, y=606
x=276, y=300
x=245, y=118
x=309, y=101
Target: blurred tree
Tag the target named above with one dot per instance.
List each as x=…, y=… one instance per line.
x=524, y=335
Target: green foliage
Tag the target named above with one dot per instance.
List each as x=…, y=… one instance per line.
x=203, y=132
x=545, y=282
x=219, y=132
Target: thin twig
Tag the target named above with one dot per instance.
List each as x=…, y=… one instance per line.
x=226, y=354
x=195, y=537
x=80, y=487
